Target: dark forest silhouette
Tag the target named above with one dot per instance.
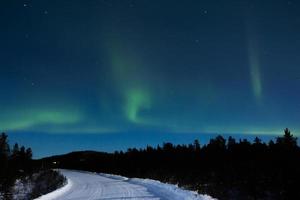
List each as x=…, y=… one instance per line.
x=16, y=164
x=225, y=169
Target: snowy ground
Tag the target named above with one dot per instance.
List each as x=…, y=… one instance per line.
x=91, y=186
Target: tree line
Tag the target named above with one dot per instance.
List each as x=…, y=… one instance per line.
x=18, y=169
x=223, y=168
x=15, y=162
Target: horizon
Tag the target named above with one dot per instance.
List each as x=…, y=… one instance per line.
x=41, y=145
x=114, y=74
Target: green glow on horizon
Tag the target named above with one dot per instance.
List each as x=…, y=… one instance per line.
x=28, y=119
x=82, y=129
x=247, y=130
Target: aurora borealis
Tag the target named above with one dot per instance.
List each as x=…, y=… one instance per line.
x=127, y=69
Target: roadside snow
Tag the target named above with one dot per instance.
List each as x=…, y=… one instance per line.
x=57, y=193
x=157, y=187
x=22, y=189
x=169, y=190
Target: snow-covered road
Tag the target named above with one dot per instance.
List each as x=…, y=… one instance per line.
x=91, y=186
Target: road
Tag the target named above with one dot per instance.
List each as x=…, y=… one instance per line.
x=91, y=186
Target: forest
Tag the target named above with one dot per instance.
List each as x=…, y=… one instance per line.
x=21, y=177
x=223, y=168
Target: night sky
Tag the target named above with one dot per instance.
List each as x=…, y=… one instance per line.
x=107, y=75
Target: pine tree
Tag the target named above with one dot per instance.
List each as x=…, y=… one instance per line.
x=15, y=151
x=4, y=147
x=28, y=153
x=288, y=140
x=197, y=145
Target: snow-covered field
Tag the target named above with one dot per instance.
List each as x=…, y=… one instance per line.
x=92, y=186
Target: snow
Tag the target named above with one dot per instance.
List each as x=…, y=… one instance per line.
x=92, y=186
x=57, y=193
x=172, y=191
x=159, y=188
x=22, y=189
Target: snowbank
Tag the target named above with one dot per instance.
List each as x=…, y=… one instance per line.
x=112, y=176
x=55, y=194
x=22, y=189
x=172, y=191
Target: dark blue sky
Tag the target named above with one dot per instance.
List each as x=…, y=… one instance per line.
x=99, y=74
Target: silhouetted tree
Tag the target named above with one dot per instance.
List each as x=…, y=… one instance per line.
x=4, y=147
x=13, y=164
x=218, y=143
x=28, y=153
x=197, y=145
x=231, y=142
x=15, y=150
x=287, y=140
x=257, y=141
